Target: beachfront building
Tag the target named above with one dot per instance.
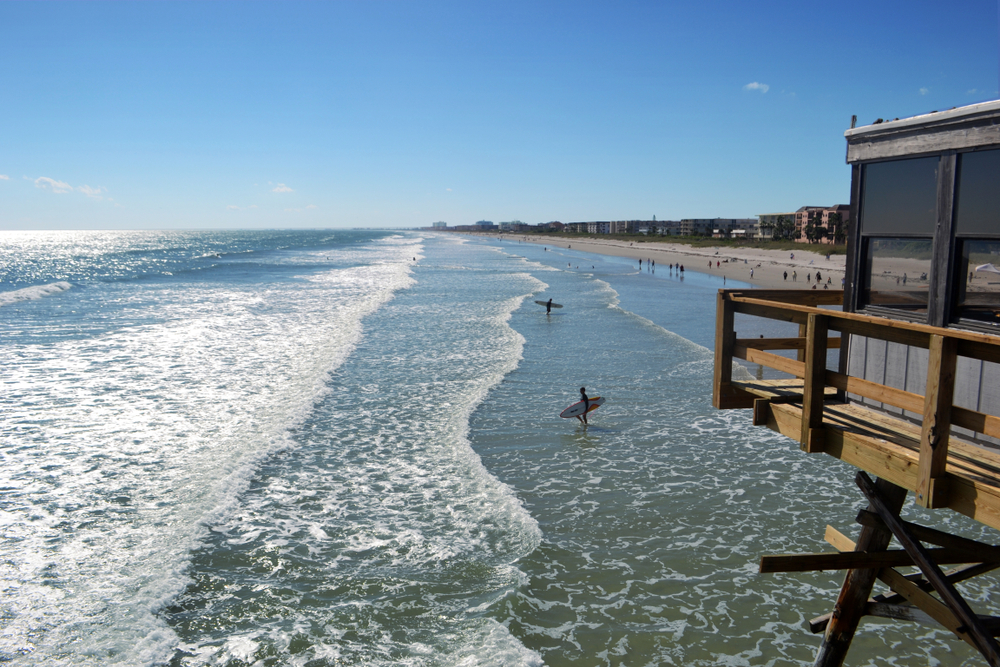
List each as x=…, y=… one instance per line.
x=598, y=227
x=822, y=224
x=439, y=225
x=773, y=226
x=718, y=227
x=898, y=375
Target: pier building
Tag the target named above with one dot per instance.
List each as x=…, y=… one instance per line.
x=897, y=375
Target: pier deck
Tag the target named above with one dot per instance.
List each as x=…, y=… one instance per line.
x=829, y=411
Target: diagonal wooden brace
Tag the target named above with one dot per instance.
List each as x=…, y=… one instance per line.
x=970, y=622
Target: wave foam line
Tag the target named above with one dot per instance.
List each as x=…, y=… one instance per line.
x=33, y=293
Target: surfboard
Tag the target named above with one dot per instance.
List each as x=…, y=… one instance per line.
x=545, y=303
x=577, y=408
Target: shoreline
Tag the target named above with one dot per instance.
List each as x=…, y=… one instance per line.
x=769, y=266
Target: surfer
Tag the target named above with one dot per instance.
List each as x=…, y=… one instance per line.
x=548, y=307
x=586, y=405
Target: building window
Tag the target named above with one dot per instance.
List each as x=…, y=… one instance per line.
x=977, y=281
x=896, y=274
x=977, y=201
x=900, y=197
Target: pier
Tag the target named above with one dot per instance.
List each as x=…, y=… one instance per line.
x=823, y=410
x=913, y=398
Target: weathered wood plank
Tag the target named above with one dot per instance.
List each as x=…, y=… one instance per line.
x=860, y=560
x=926, y=561
x=932, y=535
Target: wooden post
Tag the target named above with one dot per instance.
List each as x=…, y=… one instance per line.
x=801, y=354
x=814, y=383
x=857, y=585
x=725, y=340
x=931, y=485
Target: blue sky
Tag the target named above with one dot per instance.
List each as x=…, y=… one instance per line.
x=398, y=114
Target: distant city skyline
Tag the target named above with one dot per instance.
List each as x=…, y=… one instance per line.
x=399, y=114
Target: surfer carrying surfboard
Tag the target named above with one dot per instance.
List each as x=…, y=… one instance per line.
x=586, y=405
x=548, y=307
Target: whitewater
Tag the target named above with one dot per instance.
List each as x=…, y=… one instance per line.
x=343, y=447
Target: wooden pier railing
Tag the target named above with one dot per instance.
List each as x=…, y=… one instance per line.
x=811, y=407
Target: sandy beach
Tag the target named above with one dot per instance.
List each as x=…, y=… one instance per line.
x=769, y=266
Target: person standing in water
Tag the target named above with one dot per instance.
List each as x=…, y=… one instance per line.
x=548, y=307
x=586, y=405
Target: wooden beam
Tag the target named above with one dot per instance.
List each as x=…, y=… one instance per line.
x=853, y=598
x=862, y=560
x=926, y=603
x=781, y=343
x=838, y=540
x=875, y=391
x=771, y=360
x=931, y=484
x=724, y=340
x=934, y=536
x=970, y=622
x=894, y=331
x=976, y=421
x=962, y=573
x=772, y=310
x=814, y=393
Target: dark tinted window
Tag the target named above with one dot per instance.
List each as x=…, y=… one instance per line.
x=897, y=272
x=900, y=197
x=978, y=280
x=977, y=202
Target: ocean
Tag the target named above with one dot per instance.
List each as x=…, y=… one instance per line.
x=336, y=447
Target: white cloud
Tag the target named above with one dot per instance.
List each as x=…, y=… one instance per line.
x=4, y=177
x=762, y=87
x=46, y=183
x=924, y=91
x=311, y=207
x=281, y=187
x=94, y=193
x=231, y=207
x=971, y=91
x=447, y=189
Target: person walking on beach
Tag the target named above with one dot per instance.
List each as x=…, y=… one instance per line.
x=586, y=405
x=786, y=275
x=751, y=274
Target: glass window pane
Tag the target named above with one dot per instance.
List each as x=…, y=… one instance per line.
x=900, y=197
x=979, y=281
x=977, y=203
x=898, y=271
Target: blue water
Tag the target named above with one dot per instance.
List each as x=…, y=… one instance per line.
x=342, y=447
